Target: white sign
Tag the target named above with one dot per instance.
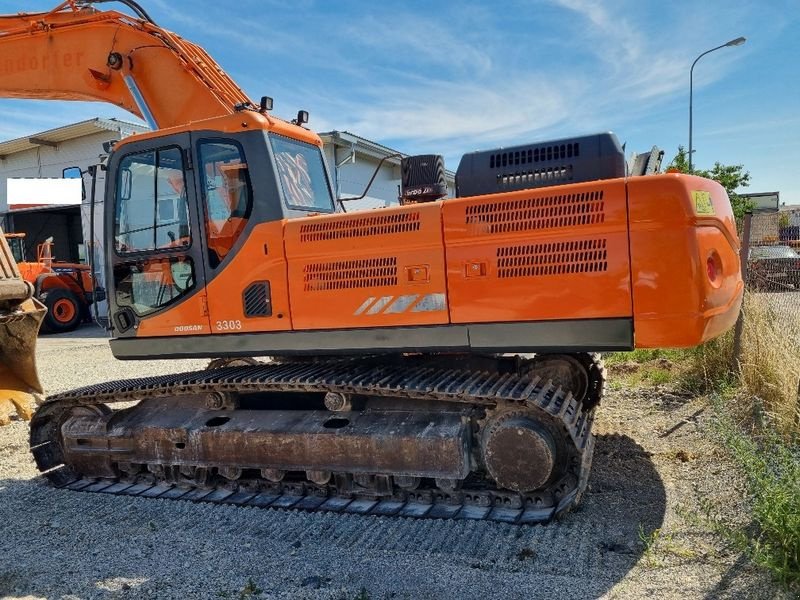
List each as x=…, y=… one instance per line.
x=44, y=192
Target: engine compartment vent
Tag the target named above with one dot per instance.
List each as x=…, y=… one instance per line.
x=570, y=160
x=360, y=227
x=538, y=213
x=350, y=274
x=557, y=258
x=256, y=300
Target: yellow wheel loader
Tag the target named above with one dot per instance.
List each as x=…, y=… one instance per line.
x=20, y=318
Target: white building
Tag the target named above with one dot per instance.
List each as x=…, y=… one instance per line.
x=352, y=160
x=46, y=155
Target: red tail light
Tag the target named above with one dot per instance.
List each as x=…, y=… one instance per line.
x=711, y=269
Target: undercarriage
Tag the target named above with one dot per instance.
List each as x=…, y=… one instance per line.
x=503, y=438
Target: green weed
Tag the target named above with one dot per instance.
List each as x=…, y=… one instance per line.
x=771, y=468
x=250, y=590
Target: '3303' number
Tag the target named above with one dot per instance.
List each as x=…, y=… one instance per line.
x=229, y=325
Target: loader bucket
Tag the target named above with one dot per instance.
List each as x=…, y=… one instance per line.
x=19, y=381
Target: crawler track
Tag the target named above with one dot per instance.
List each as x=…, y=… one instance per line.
x=486, y=393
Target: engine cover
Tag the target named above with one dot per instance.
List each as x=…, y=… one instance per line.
x=570, y=160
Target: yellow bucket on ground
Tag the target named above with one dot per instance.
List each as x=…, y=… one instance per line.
x=20, y=318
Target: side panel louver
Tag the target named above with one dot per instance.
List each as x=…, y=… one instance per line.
x=257, y=301
x=557, y=258
x=362, y=226
x=350, y=274
x=536, y=213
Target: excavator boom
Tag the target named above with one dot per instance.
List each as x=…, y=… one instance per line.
x=76, y=52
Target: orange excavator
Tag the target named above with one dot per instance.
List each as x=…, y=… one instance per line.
x=66, y=289
x=432, y=359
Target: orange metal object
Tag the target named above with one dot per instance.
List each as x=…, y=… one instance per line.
x=367, y=269
x=675, y=303
x=534, y=255
x=78, y=281
x=64, y=311
x=189, y=317
x=64, y=54
x=261, y=258
x=660, y=250
x=549, y=253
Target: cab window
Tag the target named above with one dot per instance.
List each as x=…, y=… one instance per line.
x=152, y=210
x=149, y=285
x=302, y=175
x=151, y=227
x=227, y=196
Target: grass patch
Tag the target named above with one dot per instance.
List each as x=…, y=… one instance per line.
x=758, y=422
x=644, y=367
x=658, y=545
x=771, y=468
x=770, y=363
x=768, y=369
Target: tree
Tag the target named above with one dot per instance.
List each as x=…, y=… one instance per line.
x=731, y=177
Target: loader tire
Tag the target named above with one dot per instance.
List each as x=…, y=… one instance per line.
x=63, y=311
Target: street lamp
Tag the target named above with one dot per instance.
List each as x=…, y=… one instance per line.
x=737, y=42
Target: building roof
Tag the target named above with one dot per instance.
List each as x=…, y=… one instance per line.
x=347, y=139
x=351, y=140
x=56, y=136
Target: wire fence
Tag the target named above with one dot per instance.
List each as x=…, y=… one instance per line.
x=773, y=256
x=767, y=340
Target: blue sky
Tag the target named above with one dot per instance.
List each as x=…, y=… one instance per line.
x=455, y=76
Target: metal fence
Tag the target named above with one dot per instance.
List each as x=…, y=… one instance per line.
x=768, y=333
x=773, y=255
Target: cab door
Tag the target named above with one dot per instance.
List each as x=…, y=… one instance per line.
x=156, y=271
x=242, y=225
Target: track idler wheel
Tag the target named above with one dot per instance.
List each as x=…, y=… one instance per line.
x=583, y=374
x=519, y=453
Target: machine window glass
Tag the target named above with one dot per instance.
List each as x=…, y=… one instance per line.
x=152, y=209
x=17, y=246
x=149, y=285
x=227, y=195
x=302, y=175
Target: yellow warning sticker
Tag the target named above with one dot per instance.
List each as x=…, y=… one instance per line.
x=702, y=203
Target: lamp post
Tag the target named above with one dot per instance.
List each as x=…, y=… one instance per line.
x=737, y=42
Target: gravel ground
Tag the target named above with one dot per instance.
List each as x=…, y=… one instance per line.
x=651, y=466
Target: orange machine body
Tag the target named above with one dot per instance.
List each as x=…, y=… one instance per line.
x=47, y=273
x=659, y=252
x=609, y=264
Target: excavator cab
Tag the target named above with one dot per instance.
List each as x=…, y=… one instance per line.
x=184, y=202
x=16, y=243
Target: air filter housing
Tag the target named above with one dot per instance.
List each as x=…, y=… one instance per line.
x=570, y=160
x=423, y=179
